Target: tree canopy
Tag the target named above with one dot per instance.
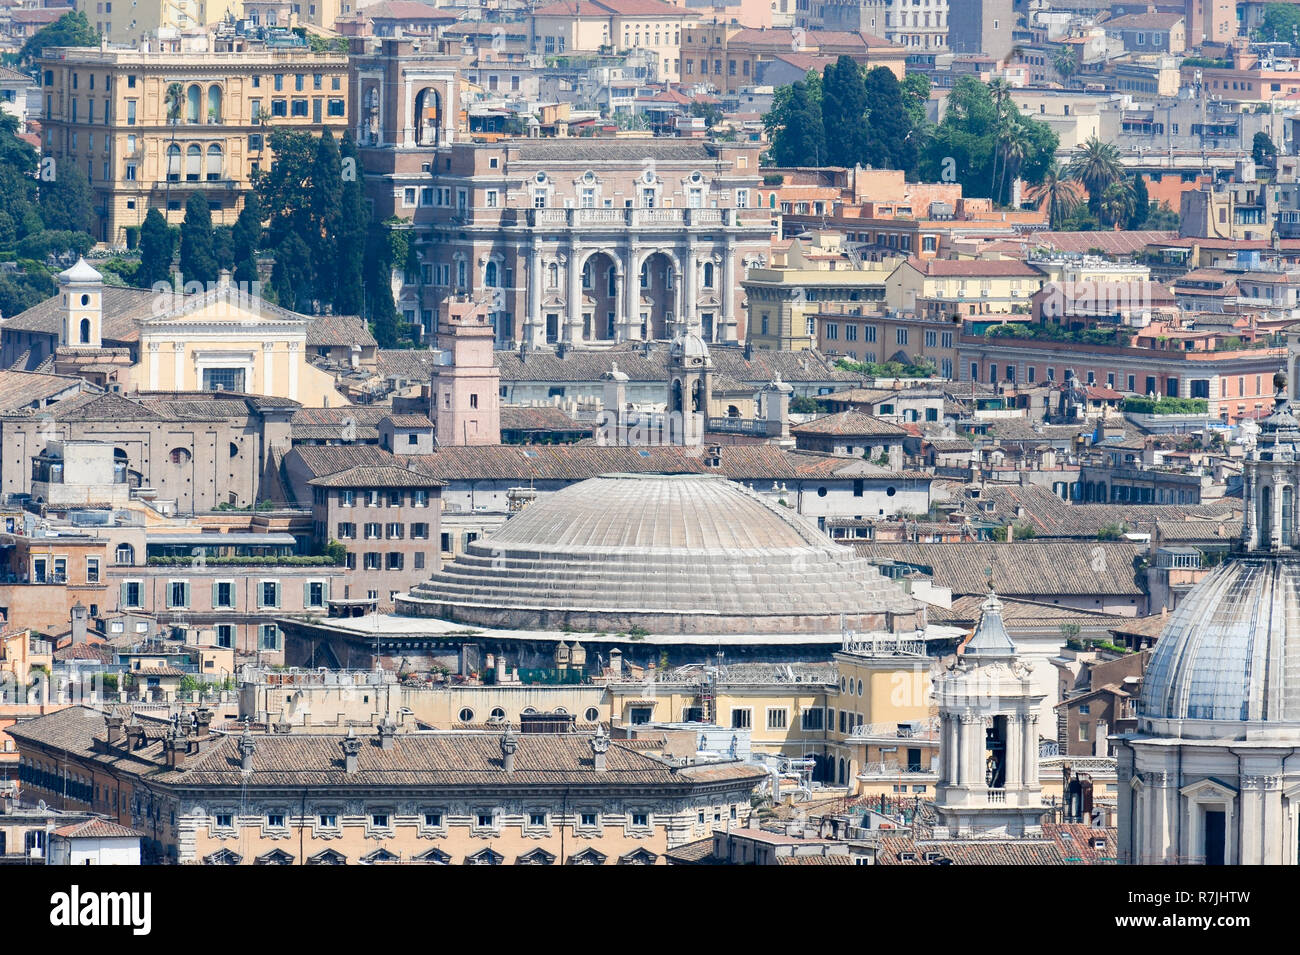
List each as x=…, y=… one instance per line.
x=71, y=29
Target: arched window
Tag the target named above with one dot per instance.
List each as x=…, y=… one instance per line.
x=179, y=456
x=173, y=163
x=490, y=275
x=586, y=275
x=125, y=555
x=216, y=163
x=708, y=275
x=553, y=278
x=193, y=163
x=1287, y=511
x=193, y=100
x=214, y=104
x=234, y=450
x=85, y=331
x=498, y=713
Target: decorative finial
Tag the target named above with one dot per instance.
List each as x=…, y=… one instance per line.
x=1279, y=382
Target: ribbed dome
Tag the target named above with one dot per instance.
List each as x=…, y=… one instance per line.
x=671, y=553
x=1231, y=651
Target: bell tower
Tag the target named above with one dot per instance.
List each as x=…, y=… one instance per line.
x=82, y=290
x=988, y=755
x=690, y=383
x=1269, y=522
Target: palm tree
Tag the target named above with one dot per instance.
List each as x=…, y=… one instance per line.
x=1065, y=64
x=1014, y=147
x=1117, y=202
x=172, y=99
x=1000, y=91
x=1096, y=166
x=1058, y=194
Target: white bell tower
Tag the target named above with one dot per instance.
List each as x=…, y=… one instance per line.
x=82, y=289
x=988, y=755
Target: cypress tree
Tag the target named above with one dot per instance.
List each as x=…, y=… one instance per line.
x=844, y=113
x=348, y=296
x=327, y=217
x=246, y=237
x=380, y=309
x=198, y=258
x=1141, y=202
x=156, y=248
x=291, y=276
x=888, y=146
x=802, y=142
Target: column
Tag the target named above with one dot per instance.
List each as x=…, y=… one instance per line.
x=293, y=371
x=1029, y=751
x=153, y=365
x=1015, y=746
x=620, y=305
x=268, y=369
x=727, y=328
x=178, y=367
x=690, y=292
x=1251, y=498
x=1275, y=529
x=678, y=305
x=632, y=289
x=535, y=282
x=574, y=298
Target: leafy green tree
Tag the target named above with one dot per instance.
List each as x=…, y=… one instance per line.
x=156, y=250
x=380, y=309
x=967, y=147
x=285, y=189
x=1065, y=64
x=223, y=247
x=1262, y=149
x=349, y=293
x=71, y=29
x=245, y=238
x=66, y=200
x=844, y=113
x=1163, y=219
x=198, y=258
x=327, y=216
x=56, y=242
x=1280, y=24
x=916, y=95
x=800, y=140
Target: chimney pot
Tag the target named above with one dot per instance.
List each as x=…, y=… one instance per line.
x=599, y=747
x=114, y=724
x=351, y=747
x=509, y=743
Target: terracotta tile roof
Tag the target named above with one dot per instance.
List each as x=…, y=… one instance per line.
x=122, y=307
x=340, y=330
x=1144, y=21
x=99, y=652
x=405, y=10
x=539, y=419
x=21, y=389
x=408, y=420
x=1021, y=568
x=376, y=477
x=97, y=829
x=849, y=423
x=691, y=853
x=842, y=859
x=407, y=363
x=1008, y=268
x=892, y=850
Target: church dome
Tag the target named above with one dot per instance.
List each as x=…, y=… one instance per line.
x=80, y=274
x=670, y=553
x=1231, y=651
x=689, y=345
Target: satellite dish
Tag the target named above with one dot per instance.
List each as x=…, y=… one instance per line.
x=40, y=806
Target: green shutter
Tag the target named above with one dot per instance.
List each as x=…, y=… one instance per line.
x=126, y=600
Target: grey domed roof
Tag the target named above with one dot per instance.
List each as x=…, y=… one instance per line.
x=689, y=345
x=1231, y=651
x=81, y=272
x=674, y=553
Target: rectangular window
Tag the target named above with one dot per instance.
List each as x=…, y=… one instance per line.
x=132, y=594
x=741, y=719
x=268, y=637
x=226, y=635
x=92, y=570
x=314, y=593
x=587, y=820
x=328, y=820
x=335, y=107
x=811, y=719
x=394, y=561
x=178, y=594
x=275, y=820
x=298, y=108
x=270, y=594
x=223, y=594
x=433, y=820
x=776, y=718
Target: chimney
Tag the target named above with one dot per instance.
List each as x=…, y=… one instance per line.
x=80, y=617
x=114, y=724
x=616, y=662
x=203, y=722
x=134, y=735
x=175, y=748
x=387, y=733
x=509, y=743
x=351, y=747
x=599, y=747
x=246, y=750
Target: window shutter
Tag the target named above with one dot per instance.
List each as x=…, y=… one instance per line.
x=215, y=602
x=125, y=600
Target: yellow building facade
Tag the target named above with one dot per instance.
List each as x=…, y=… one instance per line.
x=106, y=111
x=161, y=21
x=231, y=341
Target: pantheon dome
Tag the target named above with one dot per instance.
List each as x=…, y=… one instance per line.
x=671, y=554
